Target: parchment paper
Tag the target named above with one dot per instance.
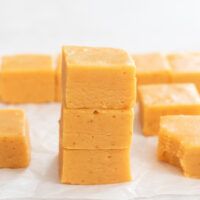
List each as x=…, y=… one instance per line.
x=151, y=178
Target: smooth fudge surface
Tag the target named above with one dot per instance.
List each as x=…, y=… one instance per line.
x=14, y=139
x=166, y=99
x=27, y=79
x=98, y=78
x=185, y=68
x=96, y=128
x=179, y=143
x=88, y=167
x=152, y=68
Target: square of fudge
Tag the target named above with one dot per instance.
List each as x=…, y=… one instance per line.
x=89, y=167
x=98, y=78
x=179, y=143
x=152, y=68
x=58, y=85
x=185, y=68
x=27, y=79
x=166, y=99
x=14, y=139
x=0, y=75
x=96, y=128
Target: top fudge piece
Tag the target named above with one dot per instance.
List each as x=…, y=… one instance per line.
x=166, y=99
x=98, y=78
x=27, y=79
x=14, y=139
x=179, y=143
x=152, y=68
x=185, y=68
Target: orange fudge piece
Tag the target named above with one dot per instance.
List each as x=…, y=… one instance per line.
x=185, y=68
x=96, y=129
x=0, y=75
x=179, y=143
x=59, y=79
x=27, y=79
x=98, y=78
x=166, y=99
x=14, y=139
x=88, y=167
x=152, y=68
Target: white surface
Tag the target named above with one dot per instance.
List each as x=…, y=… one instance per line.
x=136, y=25
x=142, y=25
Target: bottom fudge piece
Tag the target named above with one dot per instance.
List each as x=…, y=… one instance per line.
x=179, y=143
x=166, y=99
x=96, y=128
x=87, y=167
x=14, y=139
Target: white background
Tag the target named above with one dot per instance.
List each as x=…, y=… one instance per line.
x=136, y=25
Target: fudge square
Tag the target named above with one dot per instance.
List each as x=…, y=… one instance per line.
x=59, y=79
x=98, y=78
x=96, y=128
x=152, y=68
x=166, y=99
x=27, y=79
x=185, y=68
x=14, y=139
x=179, y=143
x=88, y=167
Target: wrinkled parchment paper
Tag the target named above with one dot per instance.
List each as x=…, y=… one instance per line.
x=151, y=179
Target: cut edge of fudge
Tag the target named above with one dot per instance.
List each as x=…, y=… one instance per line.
x=178, y=143
x=14, y=157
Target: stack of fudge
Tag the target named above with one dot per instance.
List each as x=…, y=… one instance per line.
x=96, y=126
